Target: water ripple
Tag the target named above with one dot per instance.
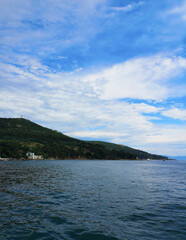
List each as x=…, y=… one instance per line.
x=93, y=200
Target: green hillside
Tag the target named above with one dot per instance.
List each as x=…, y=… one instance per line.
x=139, y=153
x=19, y=136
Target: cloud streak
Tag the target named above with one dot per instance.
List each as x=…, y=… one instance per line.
x=128, y=7
x=142, y=78
x=179, y=10
x=43, y=27
x=175, y=113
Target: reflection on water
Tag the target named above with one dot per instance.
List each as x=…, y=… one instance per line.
x=92, y=200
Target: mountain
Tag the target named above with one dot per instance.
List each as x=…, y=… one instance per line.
x=19, y=136
x=177, y=157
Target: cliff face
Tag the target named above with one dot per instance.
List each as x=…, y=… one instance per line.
x=19, y=136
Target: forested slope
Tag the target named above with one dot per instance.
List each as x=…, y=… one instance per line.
x=18, y=136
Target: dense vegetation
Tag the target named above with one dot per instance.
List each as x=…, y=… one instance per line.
x=18, y=136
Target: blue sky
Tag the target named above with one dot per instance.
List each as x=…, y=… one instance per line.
x=112, y=70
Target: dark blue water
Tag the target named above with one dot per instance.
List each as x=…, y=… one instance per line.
x=93, y=200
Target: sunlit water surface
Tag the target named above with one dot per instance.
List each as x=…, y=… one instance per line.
x=93, y=200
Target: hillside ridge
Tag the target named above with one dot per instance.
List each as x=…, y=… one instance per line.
x=18, y=136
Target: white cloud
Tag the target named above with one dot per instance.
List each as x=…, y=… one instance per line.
x=175, y=113
x=140, y=78
x=48, y=12
x=66, y=98
x=98, y=134
x=145, y=108
x=179, y=10
x=167, y=134
x=74, y=104
x=48, y=24
x=128, y=7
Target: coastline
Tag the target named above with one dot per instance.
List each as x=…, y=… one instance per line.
x=25, y=159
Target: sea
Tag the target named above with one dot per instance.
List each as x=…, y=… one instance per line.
x=93, y=200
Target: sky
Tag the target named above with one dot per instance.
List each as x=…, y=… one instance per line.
x=111, y=70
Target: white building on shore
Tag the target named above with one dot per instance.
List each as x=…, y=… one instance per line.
x=32, y=156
